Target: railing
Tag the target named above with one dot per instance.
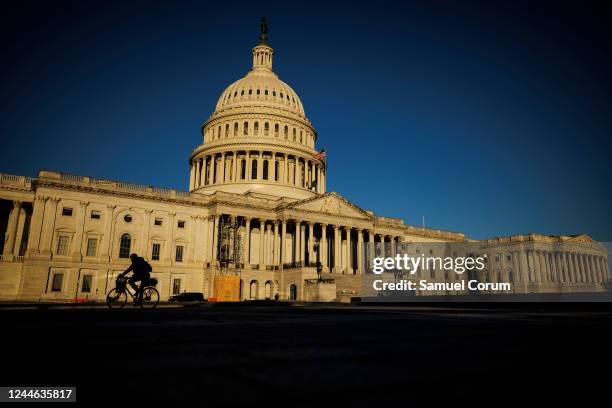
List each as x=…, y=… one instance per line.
x=10, y=258
x=100, y=183
x=13, y=180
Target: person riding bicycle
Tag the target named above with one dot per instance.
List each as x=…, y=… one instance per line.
x=141, y=271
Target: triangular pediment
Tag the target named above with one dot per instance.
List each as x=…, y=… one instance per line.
x=581, y=238
x=330, y=204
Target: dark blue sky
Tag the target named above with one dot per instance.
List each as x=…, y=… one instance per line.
x=491, y=119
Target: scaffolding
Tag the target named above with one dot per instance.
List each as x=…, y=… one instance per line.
x=229, y=248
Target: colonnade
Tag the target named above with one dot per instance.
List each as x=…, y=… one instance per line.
x=260, y=166
x=272, y=244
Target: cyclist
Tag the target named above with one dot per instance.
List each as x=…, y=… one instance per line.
x=141, y=271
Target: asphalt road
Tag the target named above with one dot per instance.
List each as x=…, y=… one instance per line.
x=244, y=355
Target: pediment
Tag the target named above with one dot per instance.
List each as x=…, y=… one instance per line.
x=331, y=204
x=581, y=238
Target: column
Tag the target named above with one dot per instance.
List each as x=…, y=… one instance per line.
x=248, y=166
x=262, y=245
x=276, y=250
x=221, y=178
x=284, y=242
x=323, y=248
x=11, y=231
x=302, y=244
x=38, y=210
x=77, y=245
x=272, y=169
x=215, y=240
x=247, y=243
x=319, y=184
x=371, y=245
x=337, y=256
x=359, y=252
x=211, y=169
x=260, y=166
x=48, y=226
x=192, y=172
x=105, y=250
x=269, y=244
x=286, y=170
x=349, y=252
x=194, y=227
x=235, y=168
x=524, y=265
x=169, y=256
x=311, y=255
x=296, y=241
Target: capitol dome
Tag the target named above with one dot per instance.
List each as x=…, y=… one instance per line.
x=258, y=138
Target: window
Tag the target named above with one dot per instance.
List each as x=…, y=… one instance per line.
x=508, y=257
x=265, y=170
x=127, y=218
x=257, y=91
x=266, y=129
x=92, y=246
x=181, y=224
x=155, y=252
x=179, y=253
x=87, y=279
x=56, y=285
x=276, y=171
x=158, y=221
x=236, y=129
x=256, y=128
x=226, y=130
x=125, y=245
x=67, y=211
x=243, y=170
x=294, y=135
x=286, y=132
x=276, y=130
x=176, y=286
x=246, y=128
x=62, y=245
x=95, y=215
x=254, y=170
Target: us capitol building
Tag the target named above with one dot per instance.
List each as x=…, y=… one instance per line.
x=257, y=207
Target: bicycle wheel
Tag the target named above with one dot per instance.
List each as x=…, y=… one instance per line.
x=116, y=298
x=150, y=298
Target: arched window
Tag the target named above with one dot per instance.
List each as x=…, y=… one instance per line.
x=274, y=94
x=246, y=128
x=294, y=138
x=256, y=128
x=227, y=130
x=286, y=132
x=235, y=129
x=254, y=288
x=281, y=95
x=266, y=129
x=254, y=169
x=265, y=169
x=276, y=130
x=250, y=92
x=243, y=169
x=242, y=93
x=257, y=91
x=125, y=244
x=266, y=92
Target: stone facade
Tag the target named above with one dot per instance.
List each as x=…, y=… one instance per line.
x=68, y=236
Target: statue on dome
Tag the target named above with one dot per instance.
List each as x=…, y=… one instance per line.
x=263, y=36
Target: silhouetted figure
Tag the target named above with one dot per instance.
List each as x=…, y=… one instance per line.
x=141, y=272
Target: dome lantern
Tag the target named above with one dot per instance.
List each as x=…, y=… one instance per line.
x=262, y=53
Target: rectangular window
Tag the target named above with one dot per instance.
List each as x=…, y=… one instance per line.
x=181, y=224
x=87, y=279
x=179, y=253
x=56, y=286
x=155, y=253
x=67, y=211
x=176, y=286
x=92, y=246
x=158, y=221
x=62, y=245
x=95, y=215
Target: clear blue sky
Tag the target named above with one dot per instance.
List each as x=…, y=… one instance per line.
x=490, y=119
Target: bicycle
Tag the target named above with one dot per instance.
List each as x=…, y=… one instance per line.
x=118, y=296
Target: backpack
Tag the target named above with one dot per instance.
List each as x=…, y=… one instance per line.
x=147, y=266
